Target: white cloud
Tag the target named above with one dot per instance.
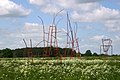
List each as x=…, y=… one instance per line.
x=98, y=37
x=10, y=9
x=82, y=10
x=50, y=9
x=29, y=31
x=37, y=2
x=52, y=6
x=87, y=1
x=110, y=18
x=14, y=39
x=113, y=25
x=32, y=27
x=47, y=6
x=100, y=14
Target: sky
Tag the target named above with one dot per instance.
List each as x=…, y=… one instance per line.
x=96, y=19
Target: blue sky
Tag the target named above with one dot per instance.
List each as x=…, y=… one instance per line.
x=97, y=19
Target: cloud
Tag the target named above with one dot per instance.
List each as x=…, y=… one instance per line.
x=37, y=2
x=50, y=9
x=10, y=9
x=46, y=6
x=52, y=6
x=14, y=39
x=90, y=11
x=87, y=1
x=100, y=14
x=29, y=31
x=110, y=18
x=116, y=44
x=32, y=27
x=112, y=25
x=98, y=37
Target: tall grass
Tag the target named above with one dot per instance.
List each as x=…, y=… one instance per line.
x=70, y=69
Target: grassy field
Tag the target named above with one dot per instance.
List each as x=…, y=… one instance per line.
x=87, y=68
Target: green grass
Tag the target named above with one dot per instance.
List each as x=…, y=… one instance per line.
x=87, y=68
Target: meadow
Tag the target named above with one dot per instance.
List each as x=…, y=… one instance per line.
x=85, y=68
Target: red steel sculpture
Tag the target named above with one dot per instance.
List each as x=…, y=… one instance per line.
x=50, y=40
x=76, y=39
x=72, y=40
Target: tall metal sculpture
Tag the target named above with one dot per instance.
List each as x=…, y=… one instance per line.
x=72, y=53
x=29, y=51
x=76, y=40
x=72, y=40
x=50, y=39
x=106, y=46
x=45, y=42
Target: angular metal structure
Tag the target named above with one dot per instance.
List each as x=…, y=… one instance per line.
x=106, y=46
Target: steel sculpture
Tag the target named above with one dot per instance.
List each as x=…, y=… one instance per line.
x=29, y=50
x=76, y=40
x=50, y=39
x=106, y=45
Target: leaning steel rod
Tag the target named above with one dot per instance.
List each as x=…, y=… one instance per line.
x=78, y=48
x=43, y=29
x=55, y=34
x=76, y=39
x=53, y=24
x=31, y=50
x=54, y=18
x=75, y=30
x=30, y=43
x=26, y=46
x=71, y=31
x=25, y=42
x=45, y=49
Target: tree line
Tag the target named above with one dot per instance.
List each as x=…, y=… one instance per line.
x=40, y=51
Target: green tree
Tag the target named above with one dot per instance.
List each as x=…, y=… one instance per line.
x=88, y=53
x=0, y=54
x=6, y=53
x=95, y=54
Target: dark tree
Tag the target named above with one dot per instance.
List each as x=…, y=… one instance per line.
x=7, y=53
x=95, y=54
x=88, y=53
